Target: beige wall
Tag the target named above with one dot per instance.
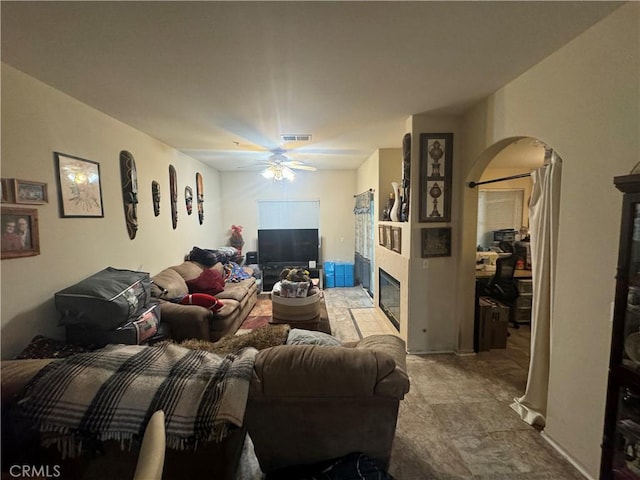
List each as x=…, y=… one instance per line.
x=38, y=120
x=335, y=190
x=583, y=101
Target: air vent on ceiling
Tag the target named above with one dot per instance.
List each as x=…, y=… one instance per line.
x=295, y=137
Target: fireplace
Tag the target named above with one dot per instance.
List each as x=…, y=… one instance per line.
x=389, y=298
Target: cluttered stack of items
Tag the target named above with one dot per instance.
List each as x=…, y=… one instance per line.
x=110, y=306
x=295, y=300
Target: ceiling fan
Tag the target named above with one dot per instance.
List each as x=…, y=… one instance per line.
x=279, y=167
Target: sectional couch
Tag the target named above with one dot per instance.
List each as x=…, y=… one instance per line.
x=306, y=404
x=196, y=321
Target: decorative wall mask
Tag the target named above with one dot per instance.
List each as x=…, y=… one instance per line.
x=155, y=195
x=173, y=187
x=188, y=199
x=406, y=177
x=200, y=193
x=129, y=178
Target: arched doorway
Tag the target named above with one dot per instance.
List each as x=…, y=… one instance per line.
x=503, y=162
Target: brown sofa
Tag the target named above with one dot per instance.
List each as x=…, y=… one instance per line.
x=307, y=403
x=310, y=403
x=193, y=321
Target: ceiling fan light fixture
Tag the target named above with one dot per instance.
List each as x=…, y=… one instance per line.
x=278, y=172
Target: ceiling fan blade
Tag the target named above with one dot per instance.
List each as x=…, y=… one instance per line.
x=254, y=166
x=302, y=167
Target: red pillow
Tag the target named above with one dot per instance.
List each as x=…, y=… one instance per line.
x=209, y=282
x=204, y=300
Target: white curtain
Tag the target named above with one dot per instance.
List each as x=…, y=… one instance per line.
x=543, y=218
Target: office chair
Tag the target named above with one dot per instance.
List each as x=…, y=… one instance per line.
x=502, y=286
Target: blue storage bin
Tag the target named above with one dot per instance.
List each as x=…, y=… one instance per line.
x=349, y=268
x=340, y=268
x=329, y=267
x=340, y=281
x=329, y=281
x=348, y=281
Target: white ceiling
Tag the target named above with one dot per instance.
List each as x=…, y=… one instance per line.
x=221, y=81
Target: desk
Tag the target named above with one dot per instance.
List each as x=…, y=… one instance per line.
x=490, y=273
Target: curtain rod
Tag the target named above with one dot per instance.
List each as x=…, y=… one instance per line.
x=371, y=190
x=522, y=175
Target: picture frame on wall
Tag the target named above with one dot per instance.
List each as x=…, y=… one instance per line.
x=436, y=158
x=436, y=242
x=6, y=185
x=79, y=186
x=20, y=236
x=381, y=235
x=28, y=192
x=387, y=236
x=396, y=239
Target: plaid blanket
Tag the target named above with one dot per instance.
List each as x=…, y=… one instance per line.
x=110, y=394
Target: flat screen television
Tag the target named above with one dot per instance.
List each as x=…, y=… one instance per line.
x=291, y=246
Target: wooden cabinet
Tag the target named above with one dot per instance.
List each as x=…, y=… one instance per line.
x=621, y=439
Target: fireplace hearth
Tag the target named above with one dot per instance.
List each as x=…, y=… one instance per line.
x=389, y=299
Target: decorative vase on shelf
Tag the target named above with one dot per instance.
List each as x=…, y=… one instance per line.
x=396, y=203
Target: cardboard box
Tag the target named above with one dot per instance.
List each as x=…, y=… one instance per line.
x=494, y=320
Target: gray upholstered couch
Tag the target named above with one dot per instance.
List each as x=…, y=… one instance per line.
x=194, y=321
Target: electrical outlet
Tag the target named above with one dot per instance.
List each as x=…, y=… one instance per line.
x=425, y=264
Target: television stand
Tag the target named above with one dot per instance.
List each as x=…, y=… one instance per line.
x=271, y=275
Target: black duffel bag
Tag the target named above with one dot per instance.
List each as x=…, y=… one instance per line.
x=105, y=300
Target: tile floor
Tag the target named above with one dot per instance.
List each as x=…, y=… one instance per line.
x=456, y=422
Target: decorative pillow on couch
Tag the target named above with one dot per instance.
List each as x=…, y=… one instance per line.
x=204, y=300
x=210, y=282
x=298, y=336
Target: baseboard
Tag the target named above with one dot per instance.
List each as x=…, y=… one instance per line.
x=567, y=457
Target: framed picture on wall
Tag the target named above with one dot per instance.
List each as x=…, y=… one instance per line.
x=30, y=192
x=6, y=187
x=436, y=157
x=387, y=236
x=19, y=232
x=396, y=239
x=79, y=186
x=436, y=242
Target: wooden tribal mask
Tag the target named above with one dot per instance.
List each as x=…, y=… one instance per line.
x=173, y=187
x=129, y=179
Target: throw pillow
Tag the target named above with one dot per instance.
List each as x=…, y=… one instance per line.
x=209, y=282
x=298, y=336
x=204, y=300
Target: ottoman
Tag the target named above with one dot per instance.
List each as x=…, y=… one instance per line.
x=301, y=312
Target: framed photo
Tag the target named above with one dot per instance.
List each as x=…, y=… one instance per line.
x=436, y=242
x=396, y=239
x=19, y=232
x=387, y=236
x=381, y=235
x=79, y=186
x=30, y=192
x=436, y=157
x=6, y=185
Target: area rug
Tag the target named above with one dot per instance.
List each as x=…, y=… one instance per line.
x=253, y=322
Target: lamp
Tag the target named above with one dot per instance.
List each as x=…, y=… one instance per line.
x=278, y=172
